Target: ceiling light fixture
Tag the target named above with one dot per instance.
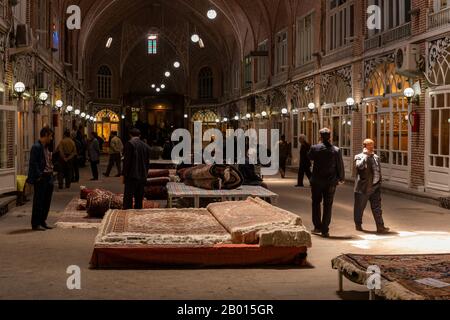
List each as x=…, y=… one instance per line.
x=176, y=64
x=195, y=38
x=153, y=86
x=158, y=89
x=212, y=14
x=167, y=74
x=163, y=86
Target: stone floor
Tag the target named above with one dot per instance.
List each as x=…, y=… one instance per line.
x=33, y=265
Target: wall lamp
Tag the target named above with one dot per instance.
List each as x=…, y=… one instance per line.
x=352, y=104
x=312, y=108
x=410, y=94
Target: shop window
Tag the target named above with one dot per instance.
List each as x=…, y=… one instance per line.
x=341, y=23
x=305, y=40
x=205, y=83
x=7, y=138
x=440, y=130
x=104, y=83
x=263, y=62
x=248, y=73
x=281, y=60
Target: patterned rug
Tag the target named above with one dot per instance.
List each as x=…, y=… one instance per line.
x=400, y=274
x=254, y=221
x=162, y=228
x=78, y=219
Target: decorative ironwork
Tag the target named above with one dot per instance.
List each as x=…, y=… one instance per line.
x=438, y=71
x=371, y=65
x=23, y=70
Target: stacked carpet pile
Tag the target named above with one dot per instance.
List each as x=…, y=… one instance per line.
x=88, y=210
x=211, y=177
x=403, y=277
x=156, y=188
x=244, y=233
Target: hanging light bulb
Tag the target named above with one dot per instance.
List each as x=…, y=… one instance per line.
x=163, y=86
x=167, y=74
x=195, y=38
x=212, y=14
x=158, y=89
x=153, y=86
x=176, y=64
x=83, y=115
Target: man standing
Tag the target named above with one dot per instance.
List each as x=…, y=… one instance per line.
x=368, y=187
x=115, y=154
x=328, y=172
x=135, y=170
x=285, y=150
x=67, y=153
x=305, y=163
x=40, y=175
x=94, y=155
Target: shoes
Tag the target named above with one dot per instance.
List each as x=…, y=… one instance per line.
x=325, y=235
x=39, y=228
x=359, y=228
x=106, y=175
x=118, y=176
x=45, y=226
x=318, y=231
x=383, y=230
x=299, y=186
x=93, y=179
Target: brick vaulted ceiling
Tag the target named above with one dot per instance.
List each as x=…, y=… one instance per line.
x=240, y=26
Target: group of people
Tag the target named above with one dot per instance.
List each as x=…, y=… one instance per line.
x=66, y=158
x=329, y=172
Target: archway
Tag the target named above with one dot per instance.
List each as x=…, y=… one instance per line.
x=106, y=121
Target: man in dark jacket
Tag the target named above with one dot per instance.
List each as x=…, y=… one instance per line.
x=135, y=170
x=328, y=172
x=368, y=187
x=305, y=163
x=40, y=175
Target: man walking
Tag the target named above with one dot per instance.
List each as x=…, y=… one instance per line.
x=115, y=155
x=135, y=170
x=305, y=163
x=40, y=175
x=368, y=187
x=67, y=153
x=328, y=172
x=94, y=155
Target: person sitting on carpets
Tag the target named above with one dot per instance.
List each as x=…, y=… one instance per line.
x=249, y=173
x=212, y=177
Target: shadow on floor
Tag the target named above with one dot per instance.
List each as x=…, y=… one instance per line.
x=355, y=296
x=336, y=237
x=18, y=232
x=392, y=233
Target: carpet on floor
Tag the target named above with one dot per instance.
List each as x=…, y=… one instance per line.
x=73, y=218
x=400, y=274
x=195, y=237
